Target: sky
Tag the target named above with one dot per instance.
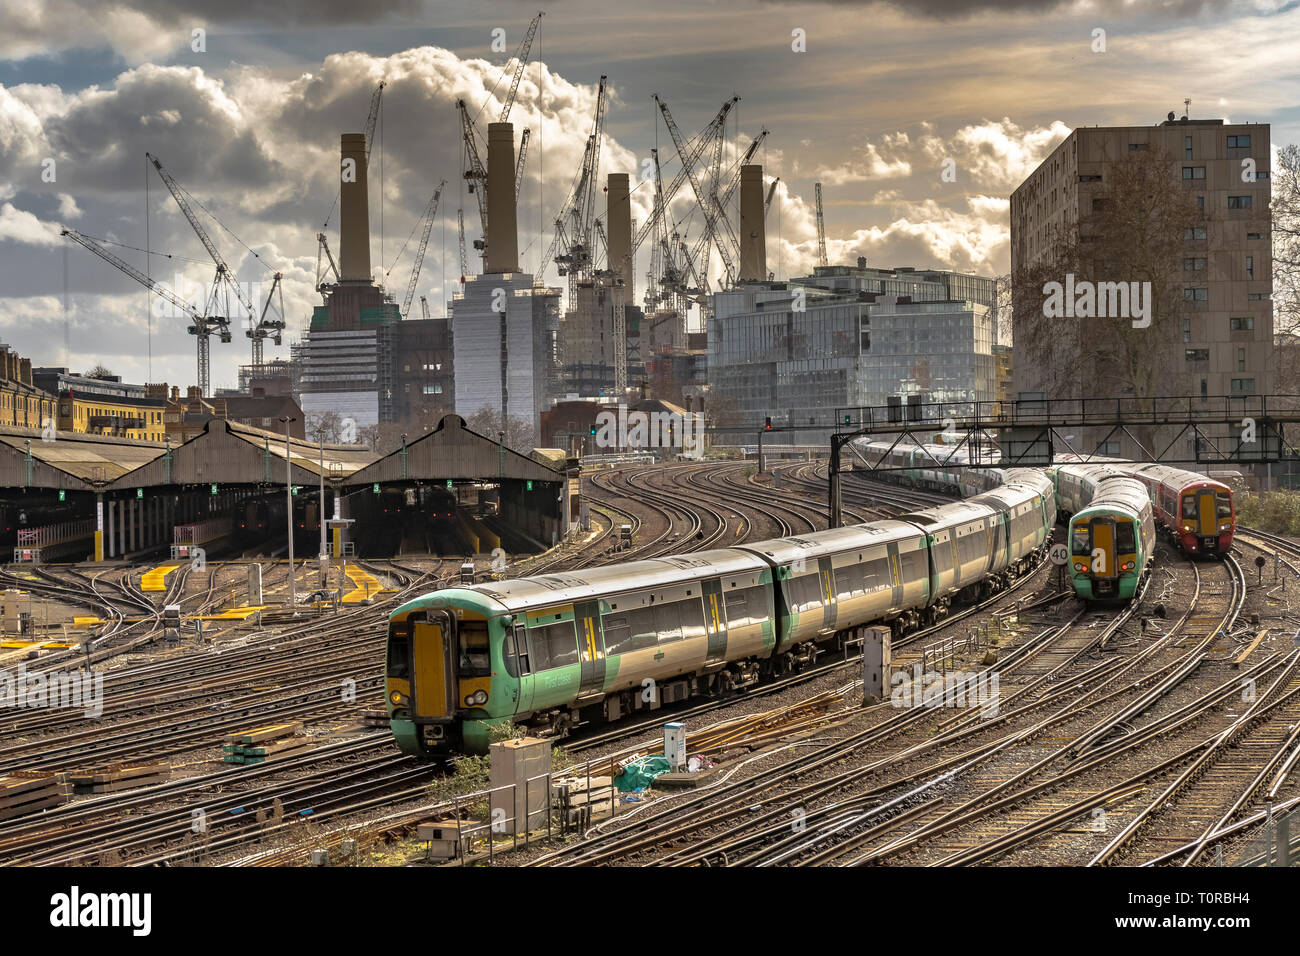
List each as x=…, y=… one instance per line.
x=243, y=103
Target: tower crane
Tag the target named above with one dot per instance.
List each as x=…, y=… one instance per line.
x=519, y=163
x=714, y=217
x=821, y=227
x=572, y=247
x=476, y=172
x=268, y=328
x=204, y=323
x=429, y=215
x=460, y=228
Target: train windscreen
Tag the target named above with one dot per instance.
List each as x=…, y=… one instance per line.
x=1125, y=539
x=1223, y=505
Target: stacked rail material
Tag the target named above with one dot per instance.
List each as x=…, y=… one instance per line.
x=117, y=777
x=265, y=743
x=376, y=717
x=27, y=791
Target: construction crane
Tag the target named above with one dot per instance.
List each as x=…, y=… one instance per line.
x=325, y=258
x=224, y=276
x=715, y=219
x=519, y=163
x=698, y=144
x=424, y=307
x=767, y=203
x=372, y=119
x=430, y=214
x=204, y=323
x=268, y=328
x=574, y=241
x=475, y=172
x=464, y=262
x=521, y=55
x=821, y=227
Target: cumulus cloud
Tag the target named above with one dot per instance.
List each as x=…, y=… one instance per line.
x=994, y=154
x=18, y=225
x=869, y=164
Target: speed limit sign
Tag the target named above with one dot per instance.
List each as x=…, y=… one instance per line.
x=1059, y=554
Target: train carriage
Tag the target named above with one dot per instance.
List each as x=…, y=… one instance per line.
x=962, y=540
x=1195, y=511
x=841, y=578
x=1112, y=532
x=463, y=659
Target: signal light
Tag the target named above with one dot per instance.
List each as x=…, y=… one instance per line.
x=593, y=429
x=767, y=423
x=846, y=419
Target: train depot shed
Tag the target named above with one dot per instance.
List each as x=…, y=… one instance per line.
x=69, y=496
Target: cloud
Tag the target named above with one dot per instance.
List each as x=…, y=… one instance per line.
x=18, y=225
x=871, y=164
x=994, y=154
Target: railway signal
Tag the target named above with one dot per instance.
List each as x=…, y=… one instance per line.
x=767, y=423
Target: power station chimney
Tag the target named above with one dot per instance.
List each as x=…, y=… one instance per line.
x=503, y=228
x=354, y=211
x=619, y=215
x=753, y=236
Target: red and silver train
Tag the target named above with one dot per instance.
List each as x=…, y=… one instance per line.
x=1196, y=511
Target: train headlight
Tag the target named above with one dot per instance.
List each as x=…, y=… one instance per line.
x=1128, y=566
x=397, y=698
x=1081, y=567
x=476, y=699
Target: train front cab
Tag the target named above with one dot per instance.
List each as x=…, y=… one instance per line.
x=439, y=671
x=1104, y=557
x=1205, y=519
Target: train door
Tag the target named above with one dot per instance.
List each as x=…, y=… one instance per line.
x=830, y=605
x=895, y=577
x=432, y=670
x=1208, y=524
x=1102, y=565
x=591, y=646
x=715, y=621
x=523, y=667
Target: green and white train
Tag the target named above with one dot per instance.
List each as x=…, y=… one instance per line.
x=558, y=650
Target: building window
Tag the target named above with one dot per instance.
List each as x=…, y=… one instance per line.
x=1187, y=330
x=1136, y=147
x=1257, y=296
x=1238, y=142
x=1200, y=204
x=1089, y=179
x=1205, y=385
x=1196, y=295
x=1196, y=355
x=1110, y=448
x=1193, y=172
x=1243, y=386
x=1239, y=202
x=1250, y=273
x=1242, y=324
x=1191, y=264
x=1254, y=235
x=1197, y=232
x=430, y=390
x=1187, y=147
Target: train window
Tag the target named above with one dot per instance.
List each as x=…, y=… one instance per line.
x=1125, y=541
x=915, y=566
x=475, y=655
x=1082, y=535
x=668, y=623
x=849, y=580
x=644, y=631
x=399, y=650
x=805, y=592
x=1223, y=504
x=692, y=619
x=560, y=641
x=514, y=652
x=745, y=608
x=1189, y=506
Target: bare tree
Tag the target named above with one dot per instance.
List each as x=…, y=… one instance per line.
x=488, y=422
x=327, y=425
x=100, y=371
x=1286, y=244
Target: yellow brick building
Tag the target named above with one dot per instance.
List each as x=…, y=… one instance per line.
x=21, y=403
